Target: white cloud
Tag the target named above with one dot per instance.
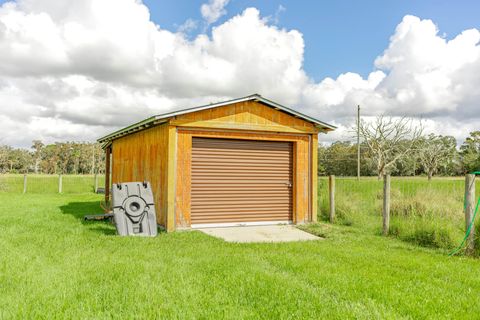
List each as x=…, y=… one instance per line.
x=77, y=70
x=213, y=10
x=278, y=12
x=420, y=74
x=188, y=26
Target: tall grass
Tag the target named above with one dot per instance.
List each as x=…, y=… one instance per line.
x=427, y=213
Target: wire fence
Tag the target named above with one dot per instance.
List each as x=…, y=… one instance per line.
x=48, y=184
x=429, y=213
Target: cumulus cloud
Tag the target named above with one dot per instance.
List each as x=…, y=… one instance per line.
x=213, y=10
x=78, y=70
x=420, y=74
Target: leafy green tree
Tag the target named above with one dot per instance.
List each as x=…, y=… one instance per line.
x=470, y=153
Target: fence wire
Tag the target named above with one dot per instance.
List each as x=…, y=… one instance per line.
x=429, y=213
x=48, y=184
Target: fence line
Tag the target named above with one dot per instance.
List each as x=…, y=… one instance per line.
x=48, y=184
x=429, y=213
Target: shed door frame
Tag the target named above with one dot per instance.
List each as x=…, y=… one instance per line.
x=301, y=189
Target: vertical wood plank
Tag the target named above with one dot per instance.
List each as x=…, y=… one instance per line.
x=183, y=187
x=302, y=179
x=314, y=177
x=107, y=174
x=172, y=144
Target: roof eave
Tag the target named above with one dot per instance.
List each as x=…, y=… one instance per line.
x=154, y=120
x=132, y=128
x=318, y=123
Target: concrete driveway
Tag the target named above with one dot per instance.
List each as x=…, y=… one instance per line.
x=273, y=233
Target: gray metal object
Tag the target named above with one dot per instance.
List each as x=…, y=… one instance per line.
x=134, y=209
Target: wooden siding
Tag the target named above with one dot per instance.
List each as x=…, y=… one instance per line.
x=143, y=156
x=163, y=155
x=302, y=193
x=249, y=115
x=314, y=175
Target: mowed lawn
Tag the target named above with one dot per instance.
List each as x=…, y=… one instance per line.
x=54, y=265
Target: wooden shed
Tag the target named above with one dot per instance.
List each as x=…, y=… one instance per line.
x=244, y=161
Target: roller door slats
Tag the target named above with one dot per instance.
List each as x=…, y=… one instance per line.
x=227, y=214
x=237, y=197
x=240, y=185
x=243, y=204
x=245, y=153
x=240, y=181
x=241, y=218
x=231, y=145
x=258, y=175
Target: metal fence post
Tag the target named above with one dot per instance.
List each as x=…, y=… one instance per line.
x=60, y=183
x=386, y=204
x=331, y=190
x=25, y=183
x=469, y=210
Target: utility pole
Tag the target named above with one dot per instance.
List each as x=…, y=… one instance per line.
x=93, y=158
x=358, y=142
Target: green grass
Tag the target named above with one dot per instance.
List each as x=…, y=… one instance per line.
x=54, y=265
x=427, y=213
x=48, y=184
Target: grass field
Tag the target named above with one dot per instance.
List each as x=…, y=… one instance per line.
x=427, y=213
x=54, y=265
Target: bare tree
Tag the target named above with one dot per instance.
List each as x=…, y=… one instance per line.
x=435, y=151
x=37, y=146
x=389, y=140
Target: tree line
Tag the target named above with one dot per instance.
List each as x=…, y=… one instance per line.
x=55, y=158
x=388, y=145
x=398, y=147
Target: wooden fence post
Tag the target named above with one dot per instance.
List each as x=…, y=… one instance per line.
x=60, y=183
x=24, y=183
x=331, y=190
x=386, y=204
x=108, y=152
x=95, y=188
x=469, y=210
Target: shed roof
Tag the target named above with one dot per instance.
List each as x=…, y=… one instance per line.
x=158, y=119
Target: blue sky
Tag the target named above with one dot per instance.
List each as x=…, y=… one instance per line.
x=78, y=69
x=339, y=35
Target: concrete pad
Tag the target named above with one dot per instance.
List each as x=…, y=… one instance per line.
x=273, y=233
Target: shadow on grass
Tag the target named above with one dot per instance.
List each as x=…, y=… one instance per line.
x=80, y=209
